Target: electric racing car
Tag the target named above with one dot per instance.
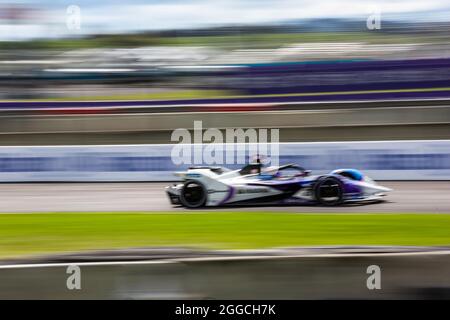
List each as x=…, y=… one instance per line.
x=256, y=185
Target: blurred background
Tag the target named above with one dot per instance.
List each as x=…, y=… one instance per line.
x=71, y=58
x=91, y=91
x=197, y=49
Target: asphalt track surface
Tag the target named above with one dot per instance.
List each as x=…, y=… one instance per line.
x=411, y=196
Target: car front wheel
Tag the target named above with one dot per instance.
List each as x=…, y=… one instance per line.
x=193, y=194
x=329, y=191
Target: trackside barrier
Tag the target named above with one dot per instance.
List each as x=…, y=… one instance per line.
x=382, y=160
x=335, y=276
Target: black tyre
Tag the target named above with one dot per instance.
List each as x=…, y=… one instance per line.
x=193, y=194
x=329, y=191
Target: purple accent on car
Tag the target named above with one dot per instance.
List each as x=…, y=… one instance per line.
x=230, y=195
x=282, y=185
x=351, y=188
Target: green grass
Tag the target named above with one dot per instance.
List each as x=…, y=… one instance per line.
x=205, y=94
x=163, y=95
x=238, y=40
x=27, y=234
x=276, y=40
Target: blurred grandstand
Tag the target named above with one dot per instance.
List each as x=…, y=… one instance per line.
x=288, y=57
x=287, y=64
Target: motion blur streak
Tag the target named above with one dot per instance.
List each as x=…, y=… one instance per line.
x=91, y=92
x=59, y=54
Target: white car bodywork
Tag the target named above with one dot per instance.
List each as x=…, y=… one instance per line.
x=224, y=186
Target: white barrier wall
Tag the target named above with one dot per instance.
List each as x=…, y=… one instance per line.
x=382, y=160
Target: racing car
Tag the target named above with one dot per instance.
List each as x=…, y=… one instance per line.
x=286, y=184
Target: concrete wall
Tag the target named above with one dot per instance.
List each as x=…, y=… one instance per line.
x=333, y=276
x=380, y=120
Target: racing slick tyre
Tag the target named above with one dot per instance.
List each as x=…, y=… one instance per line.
x=193, y=194
x=328, y=191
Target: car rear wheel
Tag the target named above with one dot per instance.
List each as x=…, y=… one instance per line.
x=193, y=194
x=329, y=191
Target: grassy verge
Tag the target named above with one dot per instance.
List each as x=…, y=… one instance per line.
x=163, y=95
x=217, y=94
x=26, y=234
x=241, y=39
